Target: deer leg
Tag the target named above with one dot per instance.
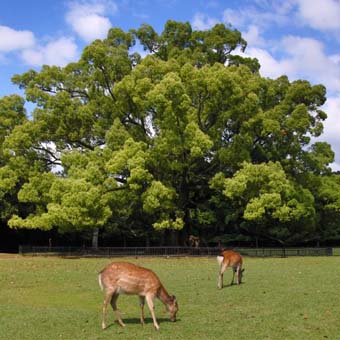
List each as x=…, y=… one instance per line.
x=115, y=309
x=220, y=276
x=220, y=280
x=107, y=299
x=142, y=303
x=149, y=300
x=238, y=275
x=232, y=281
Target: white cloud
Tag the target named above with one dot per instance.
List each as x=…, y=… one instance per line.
x=335, y=59
x=267, y=15
x=252, y=36
x=323, y=15
x=203, y=22
x=298, y=58
x=11, y=40
x=332, y=123
x=308, y=58
x=332, y=128
x=90, y=19
x=92, y=27
x=335, y=166
x=58, y=52
x=270, y=67
x=234, y=17
x=320, y=14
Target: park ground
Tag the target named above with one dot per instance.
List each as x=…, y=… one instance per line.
x=281, y=298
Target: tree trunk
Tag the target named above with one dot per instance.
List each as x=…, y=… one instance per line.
x=95, y=238
x=147, y=240
x=183, y=237
x=162, y=238
x=174, y=238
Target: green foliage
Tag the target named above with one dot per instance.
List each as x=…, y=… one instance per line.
x=266, y=196
x=78, y=204
x=8, y=179
x=157, y=196
x=179, y=41
x=190, y=137
x=12, y=114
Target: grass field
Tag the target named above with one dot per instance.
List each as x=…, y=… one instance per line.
x=290, y=298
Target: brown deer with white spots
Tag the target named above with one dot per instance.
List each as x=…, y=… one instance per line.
x=127, y=278
x=233, y=259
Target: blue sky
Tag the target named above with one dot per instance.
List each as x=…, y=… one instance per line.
x=299, y=38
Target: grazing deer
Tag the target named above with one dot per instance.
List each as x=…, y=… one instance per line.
x=230, y=258
x=127, y=278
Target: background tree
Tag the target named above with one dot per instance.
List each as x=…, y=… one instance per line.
x=189, y=139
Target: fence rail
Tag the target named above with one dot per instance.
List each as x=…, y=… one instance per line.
x=169, y=251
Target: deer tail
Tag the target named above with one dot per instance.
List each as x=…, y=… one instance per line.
x=219, y=259
x=100, y=281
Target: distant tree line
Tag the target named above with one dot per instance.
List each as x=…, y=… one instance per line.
x=188, y=140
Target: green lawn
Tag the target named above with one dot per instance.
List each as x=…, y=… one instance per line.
x=290, y=298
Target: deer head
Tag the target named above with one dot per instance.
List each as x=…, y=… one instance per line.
x=172, y=308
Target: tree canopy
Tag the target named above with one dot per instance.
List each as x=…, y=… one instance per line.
x=190, y=138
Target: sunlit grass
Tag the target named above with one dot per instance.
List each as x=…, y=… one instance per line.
x=290, y=298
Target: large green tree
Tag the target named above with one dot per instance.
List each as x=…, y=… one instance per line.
x=171, y=141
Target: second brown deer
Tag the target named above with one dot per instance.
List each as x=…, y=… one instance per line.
x=127, y=278
x=233, y=259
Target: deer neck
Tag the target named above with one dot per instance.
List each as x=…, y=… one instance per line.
x=164, y=296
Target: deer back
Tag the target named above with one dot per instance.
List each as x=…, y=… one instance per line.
x=230, y=258
x=128, y=278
